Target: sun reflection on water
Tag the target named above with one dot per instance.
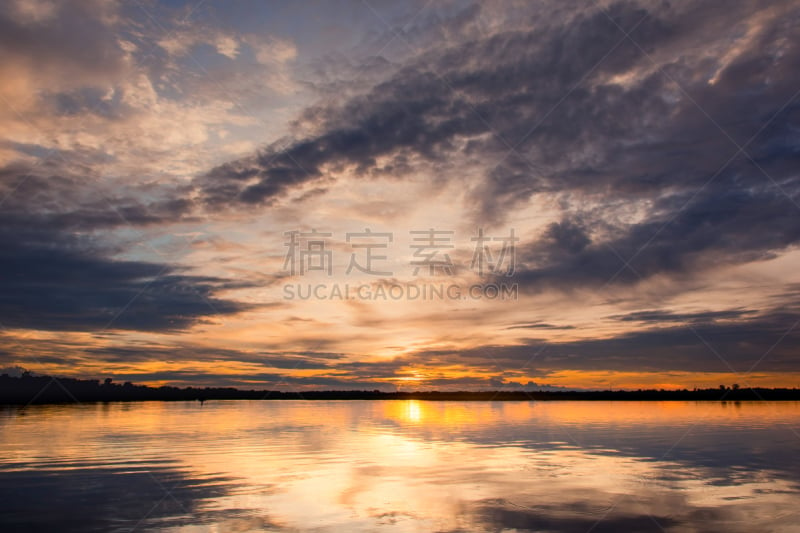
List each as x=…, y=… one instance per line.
x=413, y=465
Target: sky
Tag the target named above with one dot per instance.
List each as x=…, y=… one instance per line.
x=387, y=195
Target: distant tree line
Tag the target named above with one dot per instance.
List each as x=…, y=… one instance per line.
x=33, y=389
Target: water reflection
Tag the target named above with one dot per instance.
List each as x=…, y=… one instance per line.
x=400, y=466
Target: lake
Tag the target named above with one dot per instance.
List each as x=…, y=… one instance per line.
x=400, y=466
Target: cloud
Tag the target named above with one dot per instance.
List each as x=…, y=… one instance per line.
x=742, y=342
x=539, y=325
x=52, y=278
x=90, y=83
x=67, y=46
x=661, y=316
x=55, y=288
x=256, y=381
x=52, y=196
x=713, y=228
x=619, y=156
x=636, y=139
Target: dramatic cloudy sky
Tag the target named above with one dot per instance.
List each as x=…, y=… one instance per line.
x=156, y=156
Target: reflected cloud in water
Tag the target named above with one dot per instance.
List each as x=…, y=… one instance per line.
x=400, y=466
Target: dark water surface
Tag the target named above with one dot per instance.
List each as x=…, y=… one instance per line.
x=401, y=466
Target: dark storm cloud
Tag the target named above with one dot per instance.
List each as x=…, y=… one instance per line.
x=68, y=40
x=54, y=277
x=595, y=119
x=63, y=287
x=717, y=227
x=256, y=381
x=767, y=342
x=539, y=325
x=54, y=196
x=187, y=351
x=658, y=316
x=422, y=110
x=737, y=340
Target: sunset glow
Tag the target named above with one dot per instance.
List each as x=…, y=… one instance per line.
x=455, y=196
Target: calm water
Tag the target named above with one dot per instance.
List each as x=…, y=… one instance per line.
x=401, y=466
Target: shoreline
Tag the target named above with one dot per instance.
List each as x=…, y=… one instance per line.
x=29, y=389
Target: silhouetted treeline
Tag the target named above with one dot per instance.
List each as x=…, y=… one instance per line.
x=29, y=389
